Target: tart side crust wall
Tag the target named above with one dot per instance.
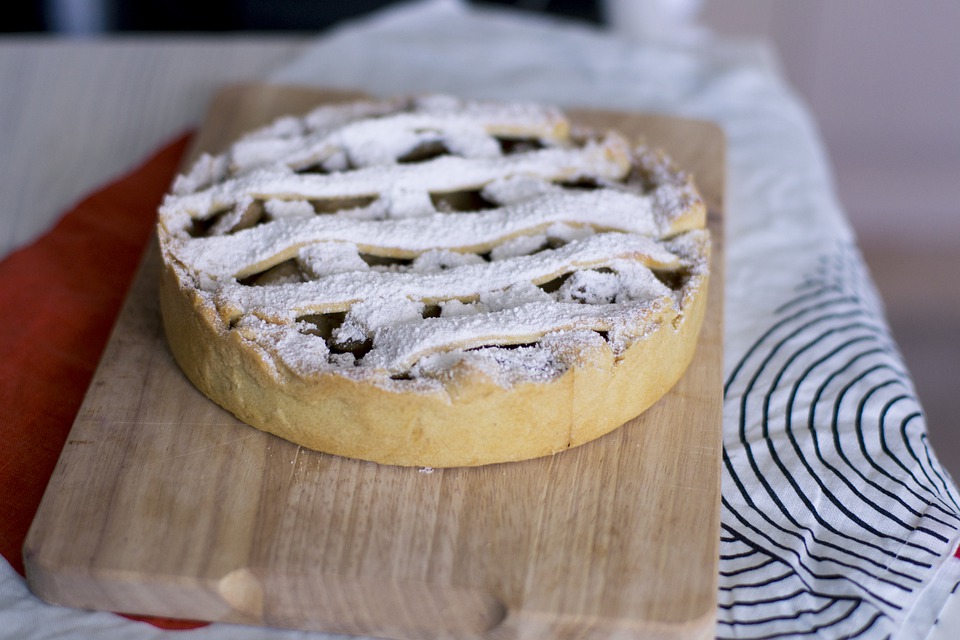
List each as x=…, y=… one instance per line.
x=476, y=422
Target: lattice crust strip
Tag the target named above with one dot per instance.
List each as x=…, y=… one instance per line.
x=390, y=241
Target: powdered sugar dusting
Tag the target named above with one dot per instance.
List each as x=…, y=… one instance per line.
x=238, y=254
x=402, y=241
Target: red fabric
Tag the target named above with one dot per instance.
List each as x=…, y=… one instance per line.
x=956, y=554
x=59, y=298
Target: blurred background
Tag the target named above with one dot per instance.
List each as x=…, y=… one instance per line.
x=881, y=77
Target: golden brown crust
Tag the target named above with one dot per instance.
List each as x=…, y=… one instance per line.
x=475, y=422
x=469, y=419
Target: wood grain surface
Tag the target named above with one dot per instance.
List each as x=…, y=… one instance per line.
x=164, y=504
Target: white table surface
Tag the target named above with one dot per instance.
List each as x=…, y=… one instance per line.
x=75, y=114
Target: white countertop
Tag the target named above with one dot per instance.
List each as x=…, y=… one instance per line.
x=77, y=113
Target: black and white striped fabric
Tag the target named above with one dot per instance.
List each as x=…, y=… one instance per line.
x=834, y=507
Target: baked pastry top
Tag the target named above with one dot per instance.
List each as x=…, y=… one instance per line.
x=433, y=281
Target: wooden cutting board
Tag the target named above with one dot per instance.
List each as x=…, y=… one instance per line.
x=164, y=504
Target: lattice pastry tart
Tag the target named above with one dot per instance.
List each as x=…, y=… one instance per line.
x=433, y=282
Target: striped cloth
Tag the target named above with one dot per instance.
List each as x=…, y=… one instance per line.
x=836, y=513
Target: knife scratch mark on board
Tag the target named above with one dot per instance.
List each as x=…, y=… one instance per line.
x=209, y=447
x=293, y=465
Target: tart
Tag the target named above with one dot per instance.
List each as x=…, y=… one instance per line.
x=432, y=281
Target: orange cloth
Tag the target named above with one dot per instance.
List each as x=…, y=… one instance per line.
x=59, y=298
